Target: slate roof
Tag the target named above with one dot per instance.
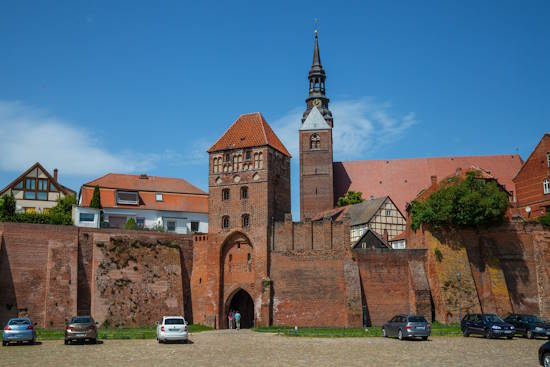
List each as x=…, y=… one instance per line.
x=403, y=179
x=250, y=130
x=315, y=121
x=359, y=213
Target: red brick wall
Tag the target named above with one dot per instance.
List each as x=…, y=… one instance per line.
x=529, y=181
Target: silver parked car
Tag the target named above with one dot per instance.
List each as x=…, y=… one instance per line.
x=20, y=329
x=172, y=328
x=407, y=326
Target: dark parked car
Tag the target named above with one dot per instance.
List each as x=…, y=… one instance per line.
x=407, y=326
x=81, y=328
x=17, y=330
x=529, y=326
x=544, y=354
x=488, y=325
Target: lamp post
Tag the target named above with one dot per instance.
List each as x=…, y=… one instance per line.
x=459, y=298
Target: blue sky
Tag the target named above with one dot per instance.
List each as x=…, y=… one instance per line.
x=96, y=86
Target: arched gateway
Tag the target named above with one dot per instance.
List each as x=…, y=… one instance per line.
x=238, y=276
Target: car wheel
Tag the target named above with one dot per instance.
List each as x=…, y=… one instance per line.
x=424, y=338
x=488, y=334
x=93, y=341
x=384, y=333
x=530, y=334
x=400, y=335
x=33, y=341
x=4, y=343
x=466, y=332
x=546, y=360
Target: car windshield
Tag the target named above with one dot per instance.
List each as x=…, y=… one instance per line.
x=492, y=318
x=81, y=320
x=174, y=322
x=532, y=319
x=417, y=319
x=19, y=322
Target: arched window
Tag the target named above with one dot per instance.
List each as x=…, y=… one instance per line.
x=217, y=164
x=258, y=160
x=225, y=222
x=546, y=185
x=315, y=141
x=225, y=194
x=245, y=221
x=244, y=192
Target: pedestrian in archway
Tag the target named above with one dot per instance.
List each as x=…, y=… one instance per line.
x=230, y=319
x=238, y=319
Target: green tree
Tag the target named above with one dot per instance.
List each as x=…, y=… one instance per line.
x=464, y=202
x=7, y=207
x=545, y=220
x=96, y=199
x=351, y=197
x=131, y=224
x=64, y=206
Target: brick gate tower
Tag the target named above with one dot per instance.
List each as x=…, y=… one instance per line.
x=316, y=179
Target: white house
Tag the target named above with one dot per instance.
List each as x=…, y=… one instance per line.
x=153, y=202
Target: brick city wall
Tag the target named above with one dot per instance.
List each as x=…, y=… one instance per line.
x=503, y=269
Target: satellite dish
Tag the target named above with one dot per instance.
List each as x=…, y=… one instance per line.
x=528, y=209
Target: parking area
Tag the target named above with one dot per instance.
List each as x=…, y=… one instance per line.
x=248, y=348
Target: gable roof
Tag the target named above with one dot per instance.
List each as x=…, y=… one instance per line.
x=58, y=186
x=546, y=135
x=250, y=130
x=315, y=121
x=359, y=213
x=383, y=242
x=403, y=179
x=123, y=181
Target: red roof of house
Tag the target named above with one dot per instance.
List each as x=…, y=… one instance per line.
x=250, y=130
x=145, y=183
x=403, y=179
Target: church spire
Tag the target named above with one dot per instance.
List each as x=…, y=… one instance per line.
x=317, y=77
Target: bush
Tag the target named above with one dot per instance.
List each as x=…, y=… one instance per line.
x=7, y=205
x=50, y=218
x=131, y=224
x=468, y=202
x=351, y=197
x=64, y=205
x=545, y=220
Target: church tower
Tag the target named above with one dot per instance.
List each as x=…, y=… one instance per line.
x=316, y=178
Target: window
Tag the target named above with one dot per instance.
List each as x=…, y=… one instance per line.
x=19, y=185
x=248, y=154
x=245, y=220
x=227, y=157
x=388, y=212
x=235, y=163
x=41, y=195
x=546, y=185
x=315, y=142
x=194, y=226
x=87, y=217
x=230, y=258
x=249, y=257
x=244, y=192
x=30, y=184
x=42, y=185
x=258, y=160
x=30, y=210
x=30, y=195
x=126, y=197
x=217, y=164
x=140, y=222
x=225, y=194
x=548, y=159
x=52, y=187
x=158, y=196
x=225, y=222
x=171, y=226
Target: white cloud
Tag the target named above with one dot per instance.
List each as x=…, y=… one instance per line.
x=28, y=135
x=361, y=126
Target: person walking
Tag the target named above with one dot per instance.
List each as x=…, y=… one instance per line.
x=238, y=319
x=230, y=319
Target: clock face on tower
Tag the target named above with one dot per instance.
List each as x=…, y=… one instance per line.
x=317, y=102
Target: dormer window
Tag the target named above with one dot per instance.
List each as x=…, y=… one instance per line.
x=127, y=198
x=158, y=196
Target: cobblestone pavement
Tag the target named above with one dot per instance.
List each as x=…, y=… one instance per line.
x=247, y=348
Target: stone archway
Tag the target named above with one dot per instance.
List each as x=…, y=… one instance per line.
x=242, y=301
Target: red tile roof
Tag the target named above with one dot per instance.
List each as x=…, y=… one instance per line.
x=145, y=183
x=171, y=201
x=403, y=179
x=250, y=130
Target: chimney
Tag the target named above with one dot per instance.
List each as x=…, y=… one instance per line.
x=55, y=174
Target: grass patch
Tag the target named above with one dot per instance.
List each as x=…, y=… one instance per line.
x=325, y=332
x=115, y=333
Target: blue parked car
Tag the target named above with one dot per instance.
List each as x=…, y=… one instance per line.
x=20, y=329
x=486, y=324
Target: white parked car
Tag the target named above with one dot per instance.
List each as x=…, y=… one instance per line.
x=172, y=328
